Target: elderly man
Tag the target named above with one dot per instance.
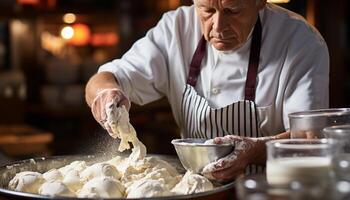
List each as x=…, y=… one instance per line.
x=231, y=69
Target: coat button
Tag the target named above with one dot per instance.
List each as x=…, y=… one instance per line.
x=215, y=91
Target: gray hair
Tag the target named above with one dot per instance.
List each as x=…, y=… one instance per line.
x=256, y=1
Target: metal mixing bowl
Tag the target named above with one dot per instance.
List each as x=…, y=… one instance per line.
x=195, y=155
x=309, y=124
x=7, y=172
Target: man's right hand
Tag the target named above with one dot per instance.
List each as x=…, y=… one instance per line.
x=105, y=104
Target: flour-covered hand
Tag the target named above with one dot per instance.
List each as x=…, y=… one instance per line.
x=106, y=107
x=247, y=151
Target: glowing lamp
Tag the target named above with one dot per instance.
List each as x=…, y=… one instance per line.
x=81, y=35
x=67, y=32
x=69, y=18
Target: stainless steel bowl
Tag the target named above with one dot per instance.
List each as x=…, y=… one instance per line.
x=309, y=124
x=195, y=155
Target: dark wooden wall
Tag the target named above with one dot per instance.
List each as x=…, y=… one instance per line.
x=332, y=20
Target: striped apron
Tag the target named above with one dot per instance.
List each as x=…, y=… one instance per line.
x=199, y=120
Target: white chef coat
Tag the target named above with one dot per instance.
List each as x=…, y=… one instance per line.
x=293, y=72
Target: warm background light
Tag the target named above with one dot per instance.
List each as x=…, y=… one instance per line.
x=278, y=1
x=174, y=3
x=69, y=18
x=67, y=32
x=81, y=35
x=28, y=2
x=47, y=4
x=104, y=39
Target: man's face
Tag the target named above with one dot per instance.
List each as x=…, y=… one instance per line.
x=226, y=24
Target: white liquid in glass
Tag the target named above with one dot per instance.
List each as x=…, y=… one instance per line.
x=304, y=169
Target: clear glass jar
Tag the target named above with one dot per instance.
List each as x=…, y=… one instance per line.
x=307, y=161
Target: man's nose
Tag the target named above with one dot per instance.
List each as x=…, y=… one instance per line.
x=218, y=22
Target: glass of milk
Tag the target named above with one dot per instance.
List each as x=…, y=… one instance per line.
x=306, y=161
x=256, y=187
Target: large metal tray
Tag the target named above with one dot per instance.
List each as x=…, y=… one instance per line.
x=7, y=172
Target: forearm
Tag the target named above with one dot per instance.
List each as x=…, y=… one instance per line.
x=261, y=159
x=284, y=135
x=98, y=82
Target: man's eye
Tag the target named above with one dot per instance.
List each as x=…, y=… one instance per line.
x=209, y=10
x=231, y=11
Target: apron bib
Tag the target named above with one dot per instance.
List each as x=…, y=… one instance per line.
x=199, y=120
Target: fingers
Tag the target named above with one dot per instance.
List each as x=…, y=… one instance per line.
x=311, y=135
x=234, y=164
x=98, y=107
x=230, y=160
x=110, y=130
x=227, y=168
x=227, y=174
x=110, y=112
x=218, y=140
x=120, y=99
x=96, y=111
x=240, y=143
x=228, y=139
x=245, y=145
x=104, y=106
x=124, y=101
x=221, y=164
x=210, y=141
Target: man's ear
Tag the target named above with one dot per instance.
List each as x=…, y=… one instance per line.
x=261, y=4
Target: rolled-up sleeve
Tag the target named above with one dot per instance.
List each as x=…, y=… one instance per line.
x=142, y=72
x=307, y=85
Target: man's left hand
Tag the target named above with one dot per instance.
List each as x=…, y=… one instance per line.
x=247, y=151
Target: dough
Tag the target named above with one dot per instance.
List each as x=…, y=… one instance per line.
x=53, y=175
x=192, y=183
x=136, y=176
x=72, y=180
x=102, y=187
x=148, y=188
x=55, y=188
x=27, y=181
x=99, y=169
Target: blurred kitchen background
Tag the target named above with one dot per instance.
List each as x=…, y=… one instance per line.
x=50, y=48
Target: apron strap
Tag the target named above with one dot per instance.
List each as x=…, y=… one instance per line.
x=195, y=66
x=254, y=58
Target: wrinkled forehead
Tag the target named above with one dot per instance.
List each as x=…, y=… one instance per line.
x=224, y=3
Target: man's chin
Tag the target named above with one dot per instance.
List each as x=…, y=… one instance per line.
x=223, y=46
